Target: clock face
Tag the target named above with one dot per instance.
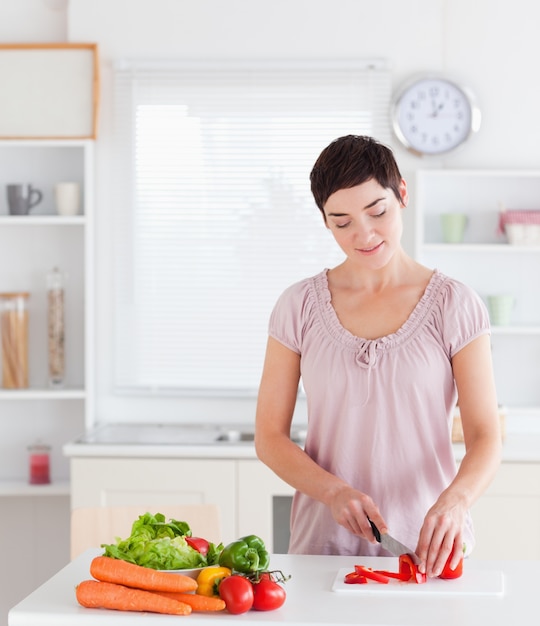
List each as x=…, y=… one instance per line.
x=434, y=115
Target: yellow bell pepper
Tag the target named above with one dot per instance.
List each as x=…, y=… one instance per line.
x=209, y=578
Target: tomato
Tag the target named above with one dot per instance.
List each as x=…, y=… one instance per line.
x=268, y=595
x=237, y=592
x=448, y=573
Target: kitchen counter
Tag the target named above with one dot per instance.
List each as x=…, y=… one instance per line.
x=191, y=441
x=231, y=441
x=310, y=599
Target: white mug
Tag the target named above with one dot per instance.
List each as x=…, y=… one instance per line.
x=68, y=198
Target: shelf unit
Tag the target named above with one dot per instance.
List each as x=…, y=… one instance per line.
x=490, y=265
x=30, y=246
x=17, y=488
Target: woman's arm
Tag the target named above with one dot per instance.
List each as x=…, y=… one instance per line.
x=442, y=530
x=275, y=408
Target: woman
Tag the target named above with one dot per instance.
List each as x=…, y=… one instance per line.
x=384, y=346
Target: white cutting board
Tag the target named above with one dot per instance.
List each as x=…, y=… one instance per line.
x=473, y=582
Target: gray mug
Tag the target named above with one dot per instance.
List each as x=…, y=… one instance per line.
x=22, y=198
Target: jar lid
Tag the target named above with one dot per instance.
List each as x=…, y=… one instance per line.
x=39, y=448
x=15, y=294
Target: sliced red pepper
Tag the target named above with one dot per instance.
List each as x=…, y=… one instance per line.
x=370, y=574
x=396, y=575
x=408, y=572
x=199, y=544
x=408, y=568
x=353, y=578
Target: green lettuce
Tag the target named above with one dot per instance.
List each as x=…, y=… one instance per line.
x=158, y=544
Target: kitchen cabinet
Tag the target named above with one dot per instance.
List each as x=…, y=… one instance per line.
x=130, y=481
x=249, y=495
x=515, y=488
x=33, y=541
x=30, y=247
x=244, y=489
x=512, y=501
x=490, y=265
x=262, y=504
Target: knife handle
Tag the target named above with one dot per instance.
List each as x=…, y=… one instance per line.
x=375, y=531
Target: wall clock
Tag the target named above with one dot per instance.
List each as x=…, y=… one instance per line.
x=434, y=115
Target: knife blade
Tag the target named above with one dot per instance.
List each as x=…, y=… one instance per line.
x=393, y=546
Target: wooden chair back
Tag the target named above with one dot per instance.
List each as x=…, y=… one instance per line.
x=91, y=527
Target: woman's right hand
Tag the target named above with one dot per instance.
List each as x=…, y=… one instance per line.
x=352, y=508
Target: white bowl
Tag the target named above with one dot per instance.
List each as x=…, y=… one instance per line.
x=523, y=234
x=192, y=573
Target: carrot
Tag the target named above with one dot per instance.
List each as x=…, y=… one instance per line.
x=95, y=594
x=110, y=570
x=195, y=600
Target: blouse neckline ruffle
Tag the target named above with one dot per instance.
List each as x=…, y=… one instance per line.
x=367, y=349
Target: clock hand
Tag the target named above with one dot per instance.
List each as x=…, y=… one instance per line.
x=436, y=109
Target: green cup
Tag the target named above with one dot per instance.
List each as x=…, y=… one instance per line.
x=500, y=309
x=453, y=227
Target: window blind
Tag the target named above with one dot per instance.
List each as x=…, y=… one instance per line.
x=213, y=214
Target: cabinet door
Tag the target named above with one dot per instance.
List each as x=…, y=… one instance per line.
x=118, y=482
x=34, y=543
x=258, y=491
x=507, y=516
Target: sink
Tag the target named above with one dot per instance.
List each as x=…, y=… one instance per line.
x=152, y=434
x=175, y=434
x=234, y=436
x=238, y=436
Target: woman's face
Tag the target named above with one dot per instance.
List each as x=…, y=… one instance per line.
x=366, y=222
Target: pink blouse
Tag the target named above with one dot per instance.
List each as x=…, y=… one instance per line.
x=379, y=411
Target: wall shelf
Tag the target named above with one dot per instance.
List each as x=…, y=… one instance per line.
x=489, y=265
x=30, y=247
x=499, y=248
x=42, y=220
x=10, y=488
x=43, y=394
x=515, y=330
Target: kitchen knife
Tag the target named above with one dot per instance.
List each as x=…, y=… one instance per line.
x=393, y=545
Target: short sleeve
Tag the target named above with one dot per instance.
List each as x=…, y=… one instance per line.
x=287, y=319
x=464, y=316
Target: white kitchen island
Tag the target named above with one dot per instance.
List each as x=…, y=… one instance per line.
x=310, y=599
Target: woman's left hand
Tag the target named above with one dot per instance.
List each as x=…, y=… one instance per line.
x=441, y=536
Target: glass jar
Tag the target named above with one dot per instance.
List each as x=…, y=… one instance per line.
x=39, y=465
x=14, y=331
x=55, y=327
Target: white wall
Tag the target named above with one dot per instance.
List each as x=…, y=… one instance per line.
x=490, y=45
x=32, y=21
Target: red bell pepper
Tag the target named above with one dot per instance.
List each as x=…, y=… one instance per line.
x=199, y=544
x=448, y=573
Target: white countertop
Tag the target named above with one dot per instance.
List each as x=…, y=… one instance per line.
x=311, y=601
x=517, y=448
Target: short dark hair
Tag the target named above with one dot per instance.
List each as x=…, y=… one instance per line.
x=350, y=161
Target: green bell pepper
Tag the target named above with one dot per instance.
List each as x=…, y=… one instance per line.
x=246, y=555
